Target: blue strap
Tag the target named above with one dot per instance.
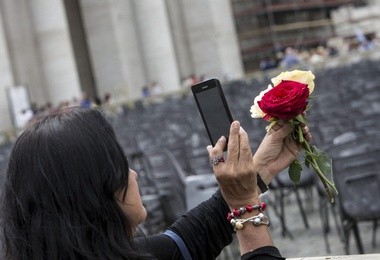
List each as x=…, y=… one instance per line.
x=181, y=245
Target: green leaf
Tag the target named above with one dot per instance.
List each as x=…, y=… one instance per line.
x=295, y=169
x=323, y=161
x=308, y=159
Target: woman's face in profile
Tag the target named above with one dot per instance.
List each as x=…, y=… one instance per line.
x=130, y=202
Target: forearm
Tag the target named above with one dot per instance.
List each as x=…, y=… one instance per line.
x=204, y=229
x=266, y=175
x=252, y=237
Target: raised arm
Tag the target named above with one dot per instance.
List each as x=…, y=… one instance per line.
x=237, y=177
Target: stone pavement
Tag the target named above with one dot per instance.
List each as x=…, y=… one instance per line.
x=310, y=242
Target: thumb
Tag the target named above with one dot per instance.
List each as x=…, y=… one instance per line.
x=282, y=131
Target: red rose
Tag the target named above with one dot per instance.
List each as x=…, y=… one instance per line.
x=285, y=101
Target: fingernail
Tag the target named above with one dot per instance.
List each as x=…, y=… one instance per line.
x=222, y=138
x=236, y=124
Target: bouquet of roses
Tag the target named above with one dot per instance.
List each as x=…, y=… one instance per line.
x=287, y=100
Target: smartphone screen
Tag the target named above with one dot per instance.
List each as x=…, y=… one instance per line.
x=213, y=108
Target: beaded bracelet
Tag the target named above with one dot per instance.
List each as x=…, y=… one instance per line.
x=260, y=219
x=249, y=208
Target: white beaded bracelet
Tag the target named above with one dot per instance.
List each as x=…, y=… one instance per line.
x=260, y=219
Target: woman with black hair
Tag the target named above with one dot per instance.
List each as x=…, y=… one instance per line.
x=69, y=194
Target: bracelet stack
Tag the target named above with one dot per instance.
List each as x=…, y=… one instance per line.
x=257, y=220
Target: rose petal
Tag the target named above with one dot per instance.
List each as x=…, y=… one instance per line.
x=255, y=110
x=285, y=101
x=305, y=77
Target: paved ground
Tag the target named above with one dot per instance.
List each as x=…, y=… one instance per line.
x=310, y=242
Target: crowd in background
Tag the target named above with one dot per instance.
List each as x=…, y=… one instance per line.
x=292, y=56
x=154, y=93
x=35, y=112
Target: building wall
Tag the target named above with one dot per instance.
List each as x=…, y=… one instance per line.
x=55, y=53
x=37, y=52
x=349, y=21
x=212, y=38
x=265, y=27
x=105, y=44
x=124, y=46
x=180, y=35
x=22, y=48
x=156, y=43
x=6, y=80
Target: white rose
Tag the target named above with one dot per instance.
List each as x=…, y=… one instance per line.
x=255, y=110
x=305, y=77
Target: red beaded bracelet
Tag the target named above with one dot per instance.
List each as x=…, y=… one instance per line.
x=249, y=208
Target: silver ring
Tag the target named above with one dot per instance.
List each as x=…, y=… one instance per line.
x=216, y=159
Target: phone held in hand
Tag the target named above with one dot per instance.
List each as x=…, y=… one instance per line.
x=213, y=108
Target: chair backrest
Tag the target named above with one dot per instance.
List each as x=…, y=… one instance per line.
x=357, y=178
x=199, y=188
x=283, y=180
x=169, y=179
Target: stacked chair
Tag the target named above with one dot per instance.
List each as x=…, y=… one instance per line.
x=357, y=177
x=358, y=180
x=282, y=188
x=348, y=128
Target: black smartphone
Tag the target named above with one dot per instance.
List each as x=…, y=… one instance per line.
x=213, y=108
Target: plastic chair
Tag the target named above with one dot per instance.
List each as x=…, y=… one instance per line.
x=199, y=188
x=325, y=206
x=283, y=187
x=155, y=222
x=357, y=178
x=169, y=180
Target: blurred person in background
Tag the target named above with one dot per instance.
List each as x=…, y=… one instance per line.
x=290, y=58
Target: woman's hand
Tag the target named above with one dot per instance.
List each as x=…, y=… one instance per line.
x=237, y=180
x=236, y=175
x=278, y=149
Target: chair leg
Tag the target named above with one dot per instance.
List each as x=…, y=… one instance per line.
x=374, y=233
x=324, y=222
x=303, y=214
x=357, y=238
x=346, y=234
x=282, y=213
x=279, y=196
x=337, y=224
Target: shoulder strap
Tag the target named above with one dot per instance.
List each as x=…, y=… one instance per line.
x=181, y=245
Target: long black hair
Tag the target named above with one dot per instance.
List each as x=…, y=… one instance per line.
x=58, y=196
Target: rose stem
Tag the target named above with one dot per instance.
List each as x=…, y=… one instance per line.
x=314, y=163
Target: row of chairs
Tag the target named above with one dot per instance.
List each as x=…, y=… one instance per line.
x=346, y=100
x=167, y=191
x=166, y=144
x=357, y=177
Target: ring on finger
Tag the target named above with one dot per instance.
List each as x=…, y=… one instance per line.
x=217, y=159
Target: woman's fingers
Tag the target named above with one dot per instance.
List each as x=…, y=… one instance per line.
x=305, y=129
x=281, y=131
x=217, y=150
x=245, y=153
x=233, y=142
x=306, y=133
